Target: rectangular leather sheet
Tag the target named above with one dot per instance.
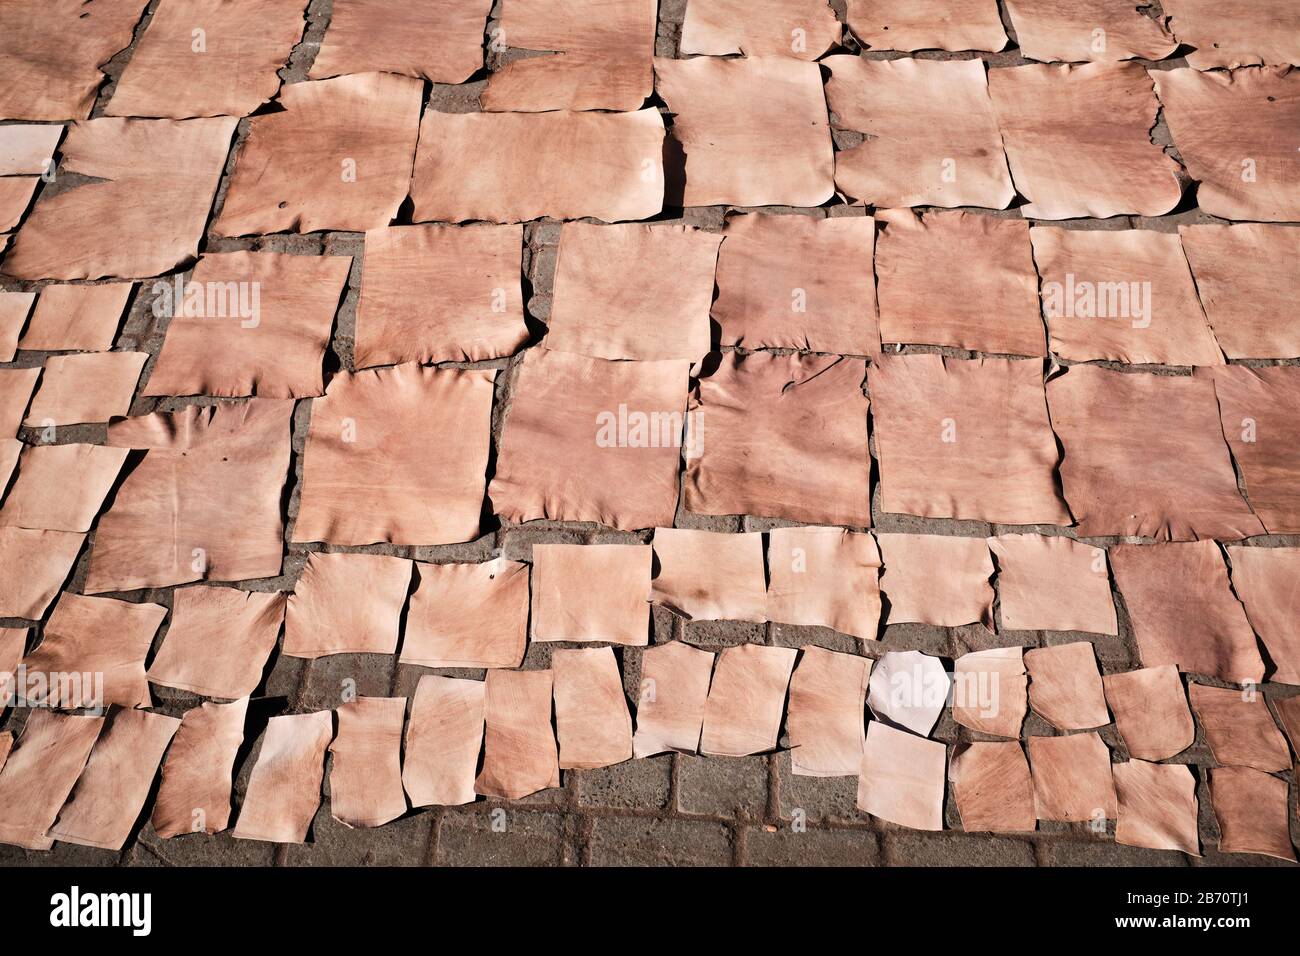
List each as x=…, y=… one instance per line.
x=671, y=699
x=1073, y=31
x=1077, y=140
x=13, y=644
x=827, y=720
x=208, y=58
x=1157, y=806
x=198, y=773
x=82, y=318
x=338, y=156
x=931, y=137
x=927, y=24
x=989, y=694
x=633, y=292
x=443, y=738
x=16, y=194
x=709, y=575
x=1119, y=431
x=94, y=387
x=783, y=436
x=1232, y=33
x=61, y=487
x=16, y=388
x=1065, y=686
x=803, y=29
x=440, y=294
x=592, y=722
x=1053, y=583
x=42, y=768
x=1073, y=782
x=1251, y=808
x=965, y=439
x=519, y=749
x=513, y=167
x=468, y=615
x=754, y=131
x=824, y=577
x=108, y=797
x=366, y=769
x=219, y=641
x=170, y=521
x=346, y=604
x=1151, y=712
x=591, y=592
x=746, y=701
x=147, y=215
x=383, y=443
x=284, y=788
x=1239, y=728
x=961, y=595
x=1267, y=582
x=1183, y=611
x=28, y=150
x=1124, y=296
x=15, y=307
x=901, y=778
x=251, y=324
x=586, y=439
x=437, y=40
x=992, y=787
x=33, y=566
x=798, y=282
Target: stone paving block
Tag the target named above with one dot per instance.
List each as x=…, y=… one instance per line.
x=712, y=634
x=644, y=784
x=403, y=842
x=1057, y=852
x=786, y=847
x=198, y=849
x=796, y=635
x=908, y=848
x=328, y=682
x=722, y=786
x=638, y=841
x=467, y=837
x=821, y=799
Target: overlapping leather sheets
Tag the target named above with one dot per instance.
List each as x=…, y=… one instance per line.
x=1078, y=30
x=519, y=749
x=592, y=592
x=1183, y=610
x=754, y=131
x=600, y=58
x=16, y=194
x=1235, y=33
x=438, y=40
x=989, y=694
x=366, y=769
x=960, y=595
x=42, y=768
x=804, y=29
x=901, y=778
x=798, y=282
x=219, y=641
x=512, y=167
x=965, y=439
x=144, y=218
x=16, y=388
x=1077, y=140
x=670, y=704
x=1065, y=686
x=338, y=156
x=1151, y=712
x=251, y=324
x=443, y=738
x=51, y=52
x=346, y=604
x=14, y=309
x=81, y=318
x=1157, y=806
x=440, y=294
x=198, y=774
x=1120, y=431
x=284, y=788
x=709, y=575
x=958, y=279
x=587, y=439
x=1053, y=583
x=785, y=437
x=1239, y=728
x=61, y=487
x=1251, y=809
x=992, y=787
x=742, y=715
x=208, y=58
x=85, y=388
x=1267, y=582
x=592, y=722
x=33, y=566
x=385, y=443
x=1072, y=775
x=28, y=150
x=1235, y=133
x=826, y=722
x=931, y=135
x=170, y=521
x=927, y=24
x=825, y=577
x=468, y=615
x=633, y=292
x=908, y=690
x=1124, y=295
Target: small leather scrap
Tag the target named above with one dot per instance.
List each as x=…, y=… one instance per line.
x=742, y=715
x=61, y=487
x=198, y=772
x=384, y=443
x=284, y=788
x=1151, y=712
x=440, y=294
x=28, y=150
x=1239, y=728
x=15, y=307
x=366, y=769
x=989, y=693
x=443, y=738
x=346, y=604
x=992, y=787
x=1183, y=611
x=513, y=167
x=916, y=594
x=959, y=438
x=783, y=436
x=338, y=156
x=901, y=778
x=1251, y=809
x=1120, y=430
x=1072, y=775
x=826, y=722
x=1124, y=296
x=80, y=318
x=1233, y=33
x=803, y=29
x=1077, y=140
x=76, y=389
x=633, y=292
x=754, y=131
x=436, y=40
x=1157, y=806
x=909, y=689
x=112, y=789
x=1053, y=583
x=41, y=770
x=927, y=24
x=710, y=575
x=16, y=388
x=592, y=722
x=16, y=194
x=519, y=749
x=251, y=323
x=671, y=699
x=1074, y=31
x=468, y=615
x=219, y=641
x=930, y=134
x=824, y=577
x=1267, y=582
x=1065, y=686
x=33, y=566
x=591, y=592
x=587, y=439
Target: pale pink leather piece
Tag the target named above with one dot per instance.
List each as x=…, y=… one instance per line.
x=927, y=24
x=1073, y=31
x=468, y=615
x=710, y=575
x=519, y=749
x=908, y=690
x=992, y=787
x=742, y=715
x=33, y=566
x=1053, y=583
x=42, y=768
x=591, y=592
x=14, y=309
x=1267, y=582
x=82, y=318
x=366, y=769
x=803, y=29
x=443, y=738
x=824, y=577
x=989, y=691
x=1252, y=812
x=592, y=722
x=16, y=388
x=670, y=703
x=1065, y=686
x=1073, y=782
x=28, y=150
x=960, y=595
x=901, y=778
x=1157, y=806
x=1239, y=728
x=198, y=774
x=61, y=487
x=438, y=40
x=346, y=604
x=16, y=194
x=219, y=641
x=826, y=723
x=94, y=387
x=1151, y=712
x=1236, y=33
x=284, y=788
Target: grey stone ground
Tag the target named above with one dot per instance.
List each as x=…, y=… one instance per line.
x=667, y=810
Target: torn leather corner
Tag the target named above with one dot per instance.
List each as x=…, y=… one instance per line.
x=77, y=389
x=803, y=29
x=42, y=768
x=960, y=595
x=1157, y=806
x=82, y=318
x=742, y=715
x=346, y=604
x=1233, y=33
x=782, y=436
x=284, y=788
x=514, y=167
x=1267, y=582
x=824, y=577
x=909, y=690
x=384, y=443
x=337, y=157
x=468, y=615
x=33, y=566
x=989, y=692
x=443, y=738
x=1077, y=138
x=591, y=592
x=1083, y=30
x=28, y=150
x=198, y=773
x=1151, y=712
x=519, y=749
x=927, y=24
x=1239, y=728
x=1251, y=809
x=674, y=687
x=16, y=388
x=1065, y=686
x=710, y=576
x=754, y=131
x=440, y=294
x=588, y=439
x=366, y=772
x=633, y=292
x=1119, y=430
x=219, y=641
x=1053, y=583
x=61, y=487
x=1072, y=775
x=901, y=778
x=827, y=720
x=992, y=787
x=437, y=40
x=16, y=194
x=592, y=722
x=14, y=309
